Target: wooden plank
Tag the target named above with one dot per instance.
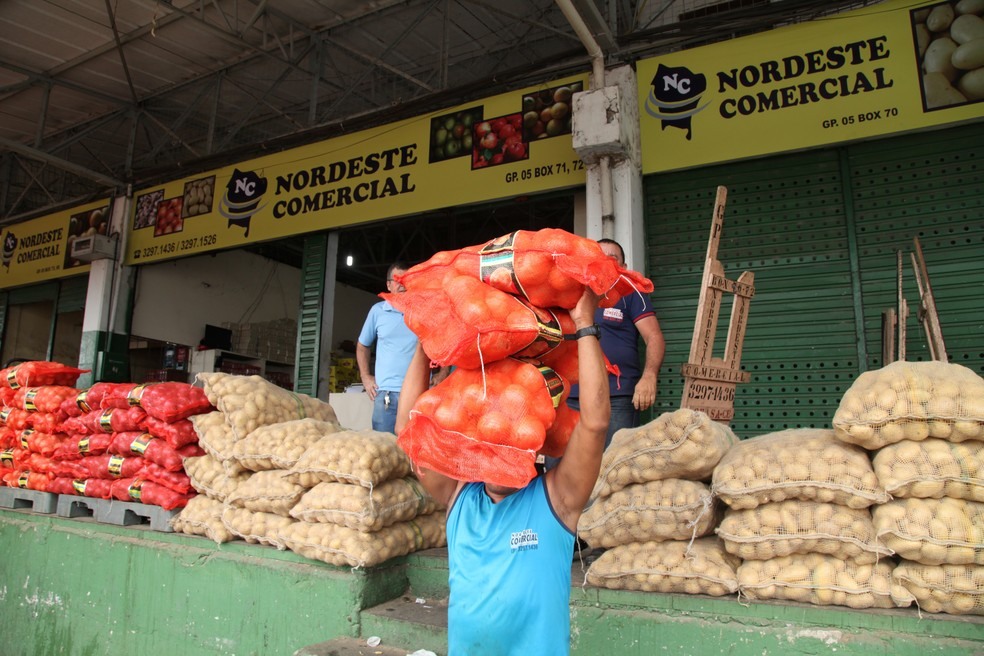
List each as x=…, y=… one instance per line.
x=888, y=336
x=930, y=317
x=903, y=311
x=717, y=223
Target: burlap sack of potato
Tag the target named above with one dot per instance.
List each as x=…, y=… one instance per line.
x=216, y=438
x=822, y=580
x=673, y=509
x=932, y=531
x=782, y=528
x=208, y=476
x=249, y=402
x=681, y=444
x=279, y=446
x=362, y=508
x=256, y=527
x=340, y=545
x=953, y=589
x=365, y=457
x=809, y=464
x=202, y=516
x=703, y=567
x=932, y=469
x=268, y=492
x=912, y=401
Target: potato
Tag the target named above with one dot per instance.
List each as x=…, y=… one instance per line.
x=208, y=476
x=266, y=492
x=203, y=516
x=954, y=589
x=343, y=546
x=366, y=458
x=702, y=567
x=279, y=446
x=256, y=527
x=932, y=468
x=933, y=531
x=362, y=508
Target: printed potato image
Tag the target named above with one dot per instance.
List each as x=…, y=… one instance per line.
x=950, y=46
x=197, y=197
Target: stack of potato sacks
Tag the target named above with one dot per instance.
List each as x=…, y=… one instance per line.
x=923, y=423
x=498, y=312
x=799, y=518
x=653, y=511
x=122, y=441
x=280, y=470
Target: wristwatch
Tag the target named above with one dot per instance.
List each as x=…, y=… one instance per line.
x=590, y=331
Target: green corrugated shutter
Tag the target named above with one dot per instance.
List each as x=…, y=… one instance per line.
x=71, y=294
x=802, y=223
x=310, y=314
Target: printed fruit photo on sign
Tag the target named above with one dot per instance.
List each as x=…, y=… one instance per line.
x=147, y=206
x=85, y=224
x=169, y=217
x=547, y=113
x=499, y=141
x=197, y=198
x=451, y=134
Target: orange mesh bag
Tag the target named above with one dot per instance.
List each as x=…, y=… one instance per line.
x=176, y=433
x=27, y=480
x=6, y=396
x=555, y=443
x=91, y=399
x=96, y=488
x=139, y=490
x=153, y=449
x=485, y=426
x=43, y=465
x=550, y=267
x=111, y=466
x=76, y=446
x=173, y=480
x=165, y=401
x=8, y=437
x=38, y=372
x=110, y=420
x=44, y=399
x=44, y=443
x=16, y=418
x=13, y=458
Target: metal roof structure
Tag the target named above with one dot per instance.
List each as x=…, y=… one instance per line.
x=98, y=95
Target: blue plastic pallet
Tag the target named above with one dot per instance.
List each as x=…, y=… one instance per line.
x=119, y=513
x=16, y=498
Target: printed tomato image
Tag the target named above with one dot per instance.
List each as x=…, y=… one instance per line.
x=169, y=217
x=498, y=141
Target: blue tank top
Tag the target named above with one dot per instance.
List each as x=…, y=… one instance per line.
x=510, y=574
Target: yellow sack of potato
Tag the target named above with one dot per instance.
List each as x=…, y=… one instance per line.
x=365, y=457
x=912, y=401
x=933, y=531
x=267, y=492
x=809, y=464
x=932, y=469
x=216, y=438
x=822, y=580
x=673, y=509
x=340, y=545
x=256, y=527
x=953, y=589
x=249, y=402
x=703, y=567
x=362, y=508
x=202, y=516
x=782, y=528
x=208, y=476
x=279, y=446
x=681, y=444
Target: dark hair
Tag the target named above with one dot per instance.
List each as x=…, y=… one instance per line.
x=612, y=241
x=399, y=264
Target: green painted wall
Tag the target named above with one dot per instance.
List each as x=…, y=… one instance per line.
x=79, y=588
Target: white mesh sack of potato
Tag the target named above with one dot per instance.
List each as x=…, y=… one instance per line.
x=953, y=589
x=362, y=508
x=809, y=464
x=278, y=446
x=340, y=545
x=932, y=531
x=365, y=457
x=822, y=580
x=249, y=402
x=912, y=401
x=256, y=527
x=208, y=476
x=932, y=469
x=673, y=509
x=267, y=491
x=216, y=438
x=202, y=516
x=703, y=567
x=792, y=526
x=681, y=444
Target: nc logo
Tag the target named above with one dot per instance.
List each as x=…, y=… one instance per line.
x=242, y=198
x=674, y=96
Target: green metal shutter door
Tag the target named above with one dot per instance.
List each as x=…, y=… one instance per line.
x=929, y=186
x=799, y=222
x=310, y=314
x=71, y=294
x=784, y=222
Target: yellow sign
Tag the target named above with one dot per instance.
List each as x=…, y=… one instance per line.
x=861, y=74
x=507, y=145
x=39, y=249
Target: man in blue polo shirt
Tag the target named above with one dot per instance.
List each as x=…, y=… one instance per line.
x=395, y=346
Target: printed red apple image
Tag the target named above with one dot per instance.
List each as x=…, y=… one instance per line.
x=498, y=141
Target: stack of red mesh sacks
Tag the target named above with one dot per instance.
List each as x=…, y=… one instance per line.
x=498, y=312
x=114, y=440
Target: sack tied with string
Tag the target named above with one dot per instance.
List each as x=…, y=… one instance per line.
x=912, y=401
x=932, y=469
x=933, y=531
x=486, y=425
x=953, y=589
x=365, y=458
x=364, y=509
x=39, y=372
x=202, y=516
x=280, y=446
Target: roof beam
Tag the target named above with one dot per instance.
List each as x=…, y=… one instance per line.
x=58, y=162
